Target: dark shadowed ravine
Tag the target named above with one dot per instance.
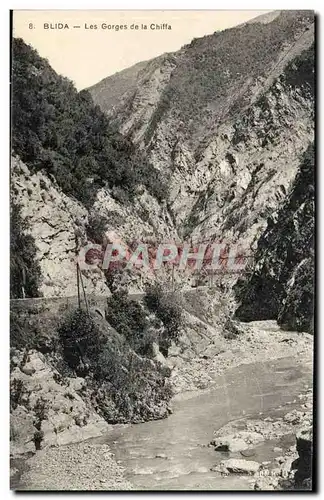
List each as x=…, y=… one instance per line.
x=173, y=453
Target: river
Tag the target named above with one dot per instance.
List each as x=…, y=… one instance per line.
x=173, y=453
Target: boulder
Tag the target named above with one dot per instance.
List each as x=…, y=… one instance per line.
x=248, y=453
x=266, y=484
x=294, y=417
x=240, y=466
x=229, y=443
x=237, y=442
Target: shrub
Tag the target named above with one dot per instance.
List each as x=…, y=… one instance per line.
x=121, y=384
x=16, y=393
x=130, y=319
x=231, y=330
x=96, y=227
x=167, y=305
x=115, y=218
x=81, y=339
x=18, y=336
x=24, y=332
x=38, y=438
x=131, y=388
x=41, y=412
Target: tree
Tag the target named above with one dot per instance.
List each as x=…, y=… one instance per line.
x=96, y=227
x=129, y=318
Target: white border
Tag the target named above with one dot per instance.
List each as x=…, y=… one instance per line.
x=163, y=5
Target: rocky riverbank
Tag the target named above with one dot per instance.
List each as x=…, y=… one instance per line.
x=204, y=352
x=62, y=464
x=289, y=462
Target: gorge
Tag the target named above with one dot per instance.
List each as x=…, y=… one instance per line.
x=135, y=373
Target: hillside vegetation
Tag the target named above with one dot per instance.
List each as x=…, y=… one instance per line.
x=220, y=65
x=210, y=76
x=61, y=131
x=112, y=89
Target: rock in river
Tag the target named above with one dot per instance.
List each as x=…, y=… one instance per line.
x=239, y=466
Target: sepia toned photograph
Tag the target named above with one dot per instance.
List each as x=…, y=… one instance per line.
x=162, y=250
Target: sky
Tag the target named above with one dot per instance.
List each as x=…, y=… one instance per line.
x=87, y=55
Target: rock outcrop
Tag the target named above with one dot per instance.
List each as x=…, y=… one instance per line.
x=53, y=219
x=237, y=442
x=47, y=409
x=238, y=466
x=282, y=283
x=303, y=475
x=58, y=224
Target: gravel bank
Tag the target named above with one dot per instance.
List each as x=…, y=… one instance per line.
x=80, y=466
x=254, y=342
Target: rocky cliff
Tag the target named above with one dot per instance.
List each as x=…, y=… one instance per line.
x=47, y=409
x=58, y=224
x=70, y=170
x=226, y=119
x=282, y=283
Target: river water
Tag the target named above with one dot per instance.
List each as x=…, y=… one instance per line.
x=172, y=454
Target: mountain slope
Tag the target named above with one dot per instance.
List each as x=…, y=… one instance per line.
x=70, y=169
x=61, y=131
x=110, y=90
x=227, y=117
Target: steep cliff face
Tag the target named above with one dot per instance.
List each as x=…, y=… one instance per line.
x=58, y=223
x=225, y=119
x=282, y=284
x=52, y=218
